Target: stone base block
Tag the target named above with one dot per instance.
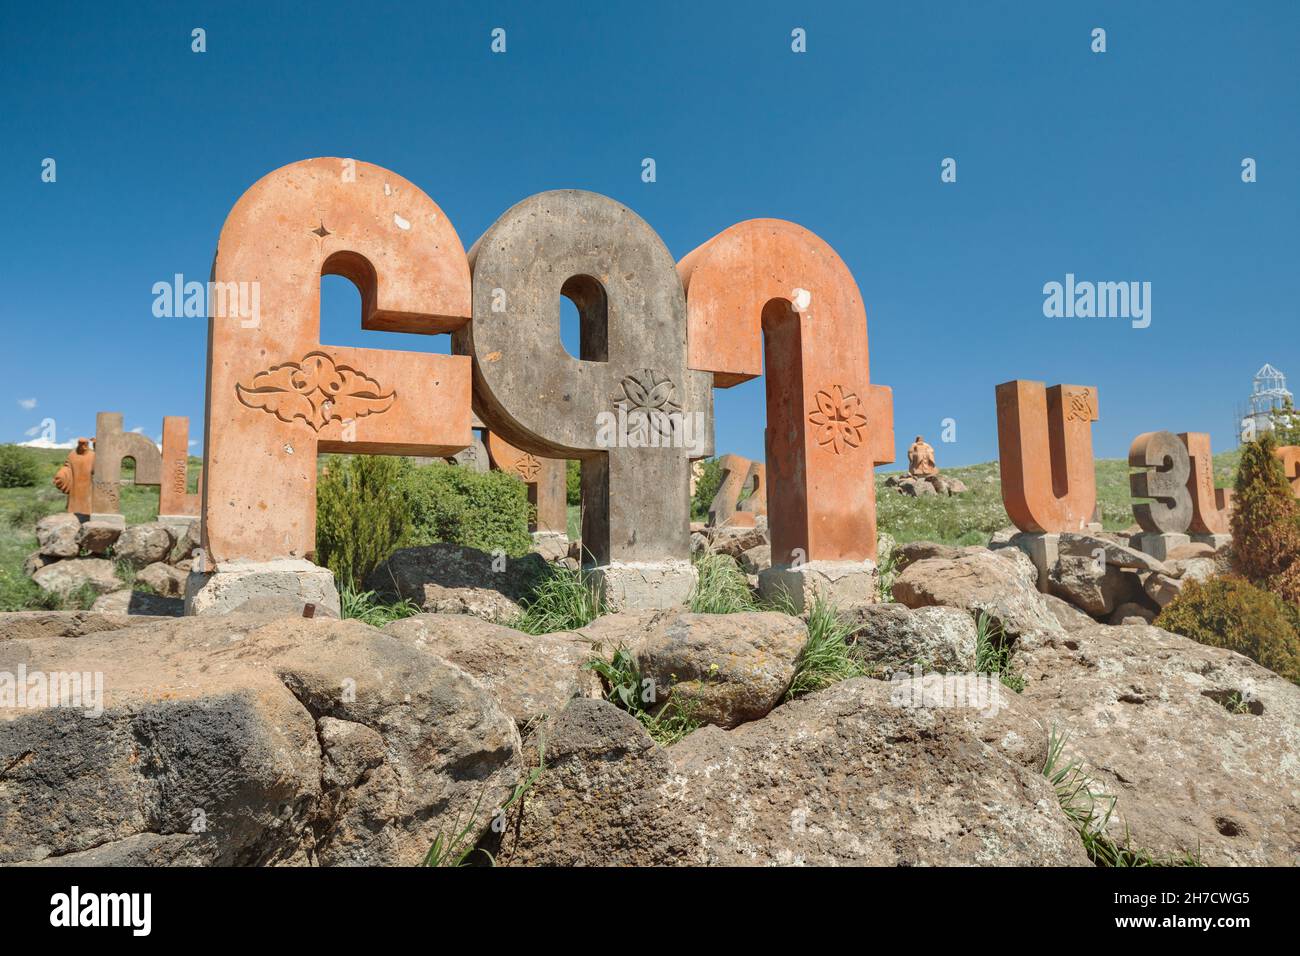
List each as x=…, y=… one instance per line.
x=1043, y=549
x=1215, y=541
x=180, y=521
x=551, y=545
x=637, y=586
x=1158, y=545
x=283, y=586
x=845, y=584
x=117, y=521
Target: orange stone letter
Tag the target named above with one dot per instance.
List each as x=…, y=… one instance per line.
x=276, y=396
x=1049, y=482
x=770, y=288
x=1211, y=506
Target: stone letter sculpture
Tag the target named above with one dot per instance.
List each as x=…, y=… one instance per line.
x=545, y=480
x=1289, y=455
x=1166, y=470
x=277, y=397
x=174, y=497
x=632, y=370
x=737, y=474
x=112, y=446
x=1211, y=507
x=920, y=459
x=766, y=287
x=74, y=478
x=1049, y=483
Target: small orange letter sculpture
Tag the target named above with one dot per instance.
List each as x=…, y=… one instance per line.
x=545, y=478
x=112, y=447
x=770, y=287
x=276, y=396
x=1289, y=455
x=1211, y=507
x=1049, y=483
x=174, y=497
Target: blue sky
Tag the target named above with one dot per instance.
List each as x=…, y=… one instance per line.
x=1122, y=166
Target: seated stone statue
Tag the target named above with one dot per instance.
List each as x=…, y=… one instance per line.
x=920, y=459
x=74, y=477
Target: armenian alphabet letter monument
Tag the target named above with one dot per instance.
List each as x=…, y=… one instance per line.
x=656, y=337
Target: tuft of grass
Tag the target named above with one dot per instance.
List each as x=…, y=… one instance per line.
x=828, y=657
x=367, y=607
x=455, y=847
x=626, y=688
x=566, y=599
x=722, y=587
x=887, y=569
x=1089, y=811
x=993, y=653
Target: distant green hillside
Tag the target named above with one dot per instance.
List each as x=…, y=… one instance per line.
x=962, y=519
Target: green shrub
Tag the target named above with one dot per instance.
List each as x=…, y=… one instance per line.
x=361, y=515
x=827, y=658
x=1233, y=613
x=369, y=608
x=18, y=467
x=459, y=506
x=1266, y=522
x=573, y=482
x=705, y=488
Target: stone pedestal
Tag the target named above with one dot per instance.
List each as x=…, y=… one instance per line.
x=1043, y=549
x=637, y=586
x=1215, y=541
x=116, y=520
x=283, y=586
x=1158, y=545
x=844, y=584
x=177, y=521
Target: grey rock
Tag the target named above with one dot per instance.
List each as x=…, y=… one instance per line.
x=163, y=579
x=892, y=637
x=756, y=559
x=138, y=602
x=98, y=537
x=65, y=577
x=245, y=740
x=450, y=579
x=56, y=535
x=143, y=544
x=531, y=675
x=1112, y=552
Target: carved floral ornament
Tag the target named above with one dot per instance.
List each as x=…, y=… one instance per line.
x=838, y=419
x=528, y=467
x=651, y=397
x=316, y=390
x=1081, y=406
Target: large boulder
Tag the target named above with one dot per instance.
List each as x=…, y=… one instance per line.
x=1200, y=746
x=1092, y=586
x=735, y=540
x=531, y=675
x=246, y=739
x=722, y=669
x=56, y=536
x=24, y=625
x=980, y=580
x=143, y=544
x=892, y=637
x=451, y=579
x=67, y=577
x=843, y=777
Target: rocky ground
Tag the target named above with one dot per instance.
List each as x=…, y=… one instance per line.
x=255, y=739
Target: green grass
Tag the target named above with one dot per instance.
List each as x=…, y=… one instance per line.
x=625, y=688
x=367, y=607
x=1089, y=811
x=993, y=653
x=722, y=587
x=827, y=658
x=565, y=600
